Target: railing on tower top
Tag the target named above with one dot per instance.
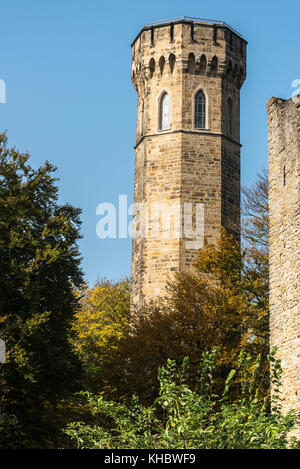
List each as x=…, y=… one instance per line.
x=190, y=18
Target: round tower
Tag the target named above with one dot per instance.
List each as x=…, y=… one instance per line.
x=187, y=73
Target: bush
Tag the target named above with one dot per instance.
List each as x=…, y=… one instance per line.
x=182, y=417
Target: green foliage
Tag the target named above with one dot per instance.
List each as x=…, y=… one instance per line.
x=39, y=267
x=182, y=417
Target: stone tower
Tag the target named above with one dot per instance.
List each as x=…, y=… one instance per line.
x=284, y=206
x=187, y=73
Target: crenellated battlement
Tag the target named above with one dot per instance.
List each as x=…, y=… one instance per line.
x=185, y=46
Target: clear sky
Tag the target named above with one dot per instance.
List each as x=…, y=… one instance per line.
x=66, y=65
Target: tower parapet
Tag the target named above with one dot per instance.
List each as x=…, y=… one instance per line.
x=188, y=73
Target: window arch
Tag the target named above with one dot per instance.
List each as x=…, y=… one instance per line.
x=203, y=64
x=172, y=60
x=229, y=117
x=191, y=63
x=162, y=65
x=164, y=112
x=152, y=67
x=214, y=66
x=200, y=110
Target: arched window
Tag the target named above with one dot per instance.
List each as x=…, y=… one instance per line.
x=214, y=66
x=172, y=60
x=229, y=117
x=152, y=67
x=203, y=63
x=191, y=63
x=200, y=110
x=164, y=112
x=162, y=65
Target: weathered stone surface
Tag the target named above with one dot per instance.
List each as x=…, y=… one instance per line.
x=184, y=164
x=284, y=204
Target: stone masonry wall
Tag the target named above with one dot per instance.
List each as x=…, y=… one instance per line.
x=284, y=204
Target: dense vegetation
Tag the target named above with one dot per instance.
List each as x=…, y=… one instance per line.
x=39, y=269
x=63, y=337
x=185, y=417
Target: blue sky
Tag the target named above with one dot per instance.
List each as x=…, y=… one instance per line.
x=66, y=64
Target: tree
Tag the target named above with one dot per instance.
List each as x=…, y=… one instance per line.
x=211, y=306
x=39, y=268
x=255, y=241
x=255, y=212
x=99, y=324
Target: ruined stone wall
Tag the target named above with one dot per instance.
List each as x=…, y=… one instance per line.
x=284, y=203
x=183, y=164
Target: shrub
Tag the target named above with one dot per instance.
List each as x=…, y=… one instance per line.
x=182, y=417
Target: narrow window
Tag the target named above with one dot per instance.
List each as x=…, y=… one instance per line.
x=214, y=67
x=152, y=67
x=200, y=110
x=229, y=117
x=164, y=117
x=284, y=176
x=203, y=63
x=162, y=65
x=191, y=63
x=172, y=60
